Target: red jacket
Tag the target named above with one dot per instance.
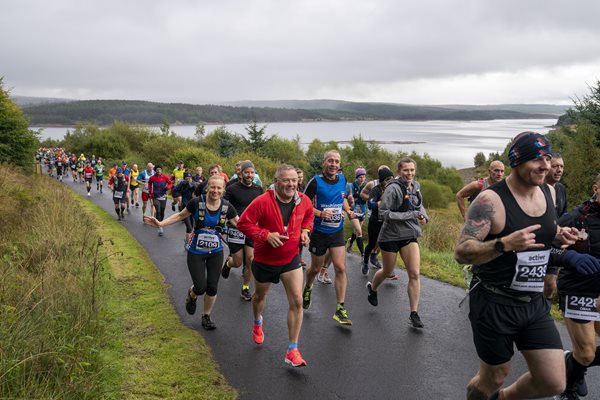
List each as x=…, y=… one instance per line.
x=263, y=216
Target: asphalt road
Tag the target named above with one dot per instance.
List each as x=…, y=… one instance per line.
x=379, y=357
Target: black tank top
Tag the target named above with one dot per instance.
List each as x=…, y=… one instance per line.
x=520, y=273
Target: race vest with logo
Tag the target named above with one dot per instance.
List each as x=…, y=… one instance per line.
x=520, y=273
x=330, y=196
x=207, y=239
x=143, y=179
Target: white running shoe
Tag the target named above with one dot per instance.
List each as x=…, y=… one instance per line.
x=323, y=277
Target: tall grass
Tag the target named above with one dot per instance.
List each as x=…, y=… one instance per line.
x=50, y=292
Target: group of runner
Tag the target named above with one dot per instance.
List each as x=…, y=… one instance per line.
x=515, y=230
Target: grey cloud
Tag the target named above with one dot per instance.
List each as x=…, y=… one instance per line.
x=186, y=50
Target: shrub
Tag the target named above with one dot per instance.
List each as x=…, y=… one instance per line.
x=434, y=194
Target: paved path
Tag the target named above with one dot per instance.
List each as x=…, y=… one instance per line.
x=379, y=357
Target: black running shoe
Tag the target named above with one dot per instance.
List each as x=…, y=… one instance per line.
x=365, y=268
x=415, y=320
x=190, y=304
x=207, y=323
x=226, y=270
x=246, y=295
x=568, y=395
x=372, y=295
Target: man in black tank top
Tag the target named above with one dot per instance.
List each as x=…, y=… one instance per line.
x=507, y=236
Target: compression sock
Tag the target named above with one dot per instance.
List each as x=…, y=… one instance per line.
x=339, y=306
x=118, y=212
x=292, y=346
x=360, y=244
x=352, y=239
x=89, y=188
x=596, y=361
x=575, y=371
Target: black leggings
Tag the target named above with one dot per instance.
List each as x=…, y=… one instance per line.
x=205, y=270
x=373, y=229
x=159, y=206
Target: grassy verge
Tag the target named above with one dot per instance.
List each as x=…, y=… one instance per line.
x=84, y=313
x=159, y=357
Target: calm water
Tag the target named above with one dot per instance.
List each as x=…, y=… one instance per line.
x=454, y=143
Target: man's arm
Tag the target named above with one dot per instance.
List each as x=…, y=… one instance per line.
x=364, y=193
x=482, y=217
x=464, y=193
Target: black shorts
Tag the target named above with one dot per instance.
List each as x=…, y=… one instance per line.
x=100, y=178
x=264, y=273
x=498, y=326
x=235, y=247
x=320, y=242
x=88, y=180
x=122, y=200
x=394, y=247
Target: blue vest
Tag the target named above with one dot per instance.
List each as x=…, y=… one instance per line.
x=207, y=237
x=330, y=196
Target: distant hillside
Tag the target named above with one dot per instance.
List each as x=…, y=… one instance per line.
x=396, y=111
x=104, y=112
x=30, y=101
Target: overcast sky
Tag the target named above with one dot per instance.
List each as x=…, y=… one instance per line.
x=421, y=52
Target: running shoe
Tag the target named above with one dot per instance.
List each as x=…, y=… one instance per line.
x=294, y=358
x=160, y=231
x=257, y=334
x=246, y=295
x=173, y=206
x=372, y=295
x=306, y=297
x=568, y=395
x=89, y=194
x=225, y=270
x=374, y=261
x=580, y=386
x=348, y=246
x=365, y=268
x=323, y=277
x=190, y=304
x=137, y=205
x=415, y=320
x=207, y=323
x=341, y=316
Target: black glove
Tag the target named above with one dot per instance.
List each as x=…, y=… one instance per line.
x=585, y=264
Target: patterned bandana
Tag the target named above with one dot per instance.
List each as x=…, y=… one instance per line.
x=528, y=146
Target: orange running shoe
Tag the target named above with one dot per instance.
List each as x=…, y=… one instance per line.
x=257, y=334
x=294, y=358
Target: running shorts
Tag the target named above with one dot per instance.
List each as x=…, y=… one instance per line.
x=500, y=323
x=320, y=242
x=264, y=273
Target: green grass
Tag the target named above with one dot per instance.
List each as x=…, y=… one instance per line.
x=157, y=355
x=83, y=316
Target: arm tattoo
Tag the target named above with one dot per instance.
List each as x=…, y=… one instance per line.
x=479, y=217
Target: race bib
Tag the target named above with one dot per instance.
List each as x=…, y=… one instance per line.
x=530, y=271
x=234, y=236
x=582, y=307
x=162, y=197
x=336, y=219
x=207, y=241
x=118, y=195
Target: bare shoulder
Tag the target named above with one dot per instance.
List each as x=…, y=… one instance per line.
x=485, y=215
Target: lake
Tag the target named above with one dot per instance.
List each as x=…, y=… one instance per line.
x=454, y=143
